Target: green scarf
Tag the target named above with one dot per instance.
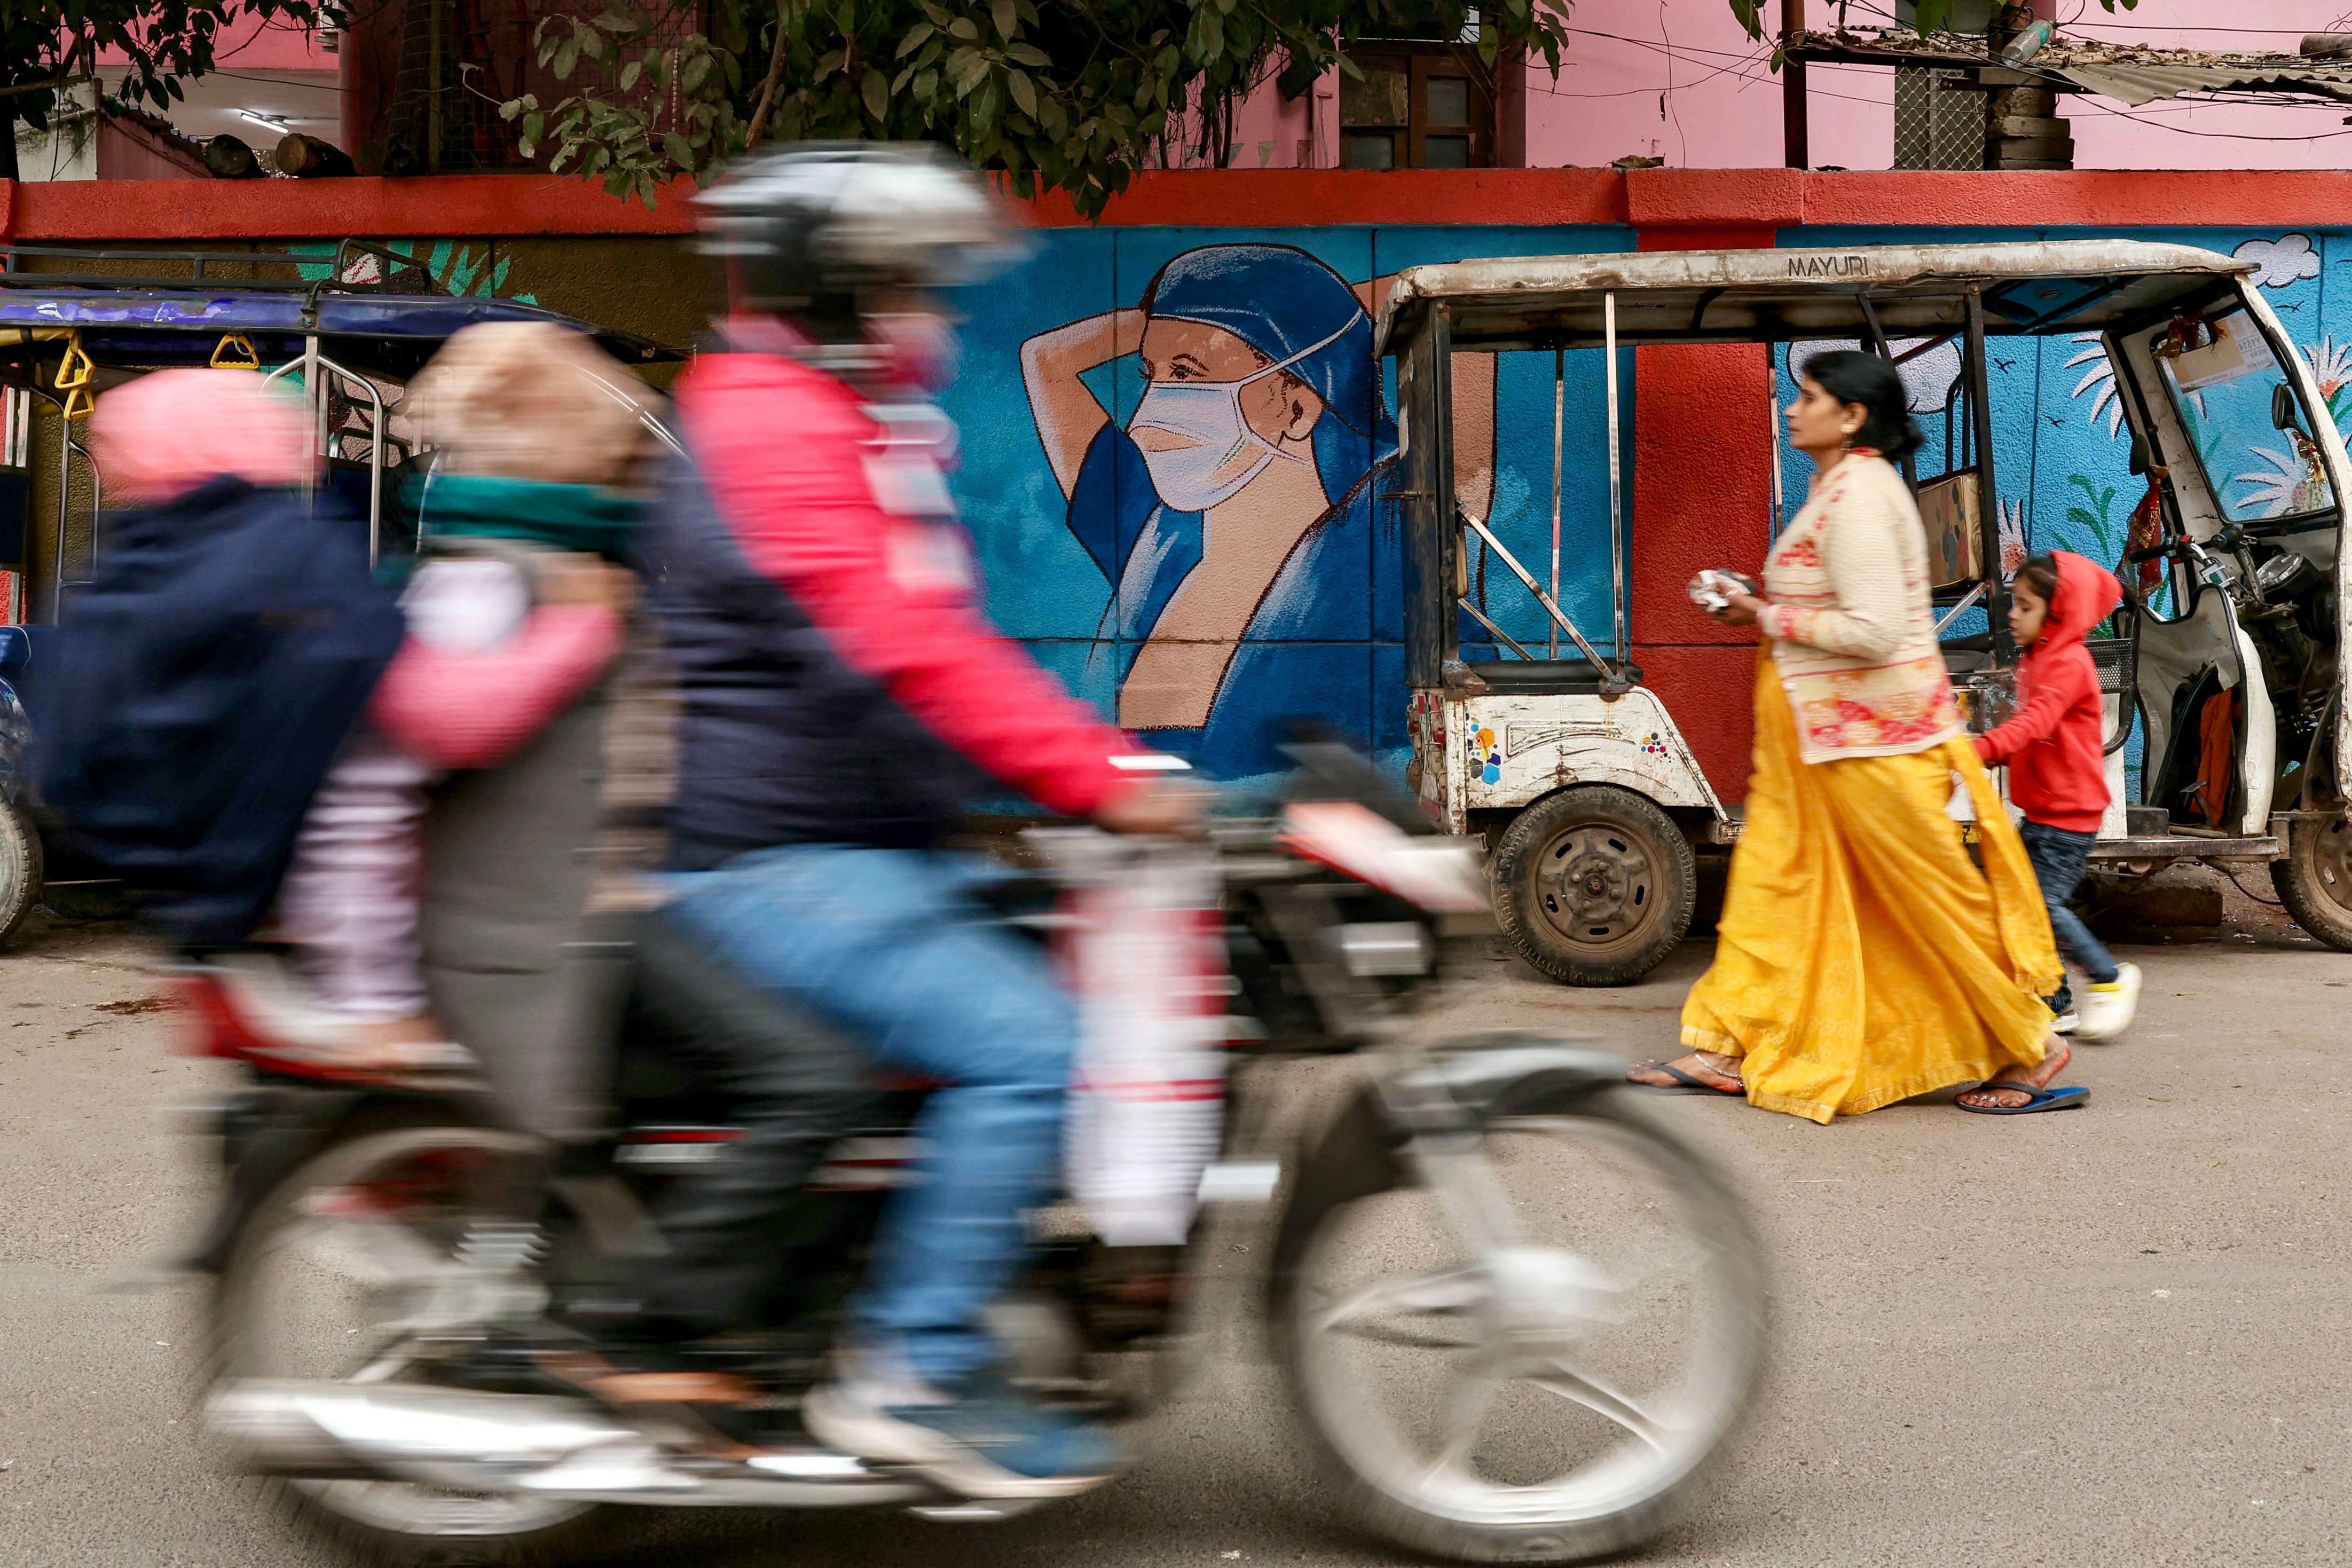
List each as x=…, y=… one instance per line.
x=584, y=518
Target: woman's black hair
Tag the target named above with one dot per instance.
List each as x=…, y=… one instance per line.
x=2038, y=577
x=1867, y=380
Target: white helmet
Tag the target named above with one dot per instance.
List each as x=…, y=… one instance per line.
x=809, y=228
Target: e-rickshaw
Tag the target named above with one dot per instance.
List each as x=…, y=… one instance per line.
x=76, y=322
x=2225, y=667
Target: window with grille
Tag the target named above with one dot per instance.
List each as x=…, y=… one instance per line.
x=1940, y=120
x=1419, y=106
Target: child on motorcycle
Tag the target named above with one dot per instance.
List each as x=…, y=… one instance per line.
x=537, y=432
x=536, y=429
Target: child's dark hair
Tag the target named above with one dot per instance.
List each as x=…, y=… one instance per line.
x=1872, y=383
x=2038, y=577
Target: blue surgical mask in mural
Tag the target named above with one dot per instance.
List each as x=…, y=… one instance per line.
x=1221, y=453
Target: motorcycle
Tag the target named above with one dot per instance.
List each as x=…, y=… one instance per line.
x=1517, y=1317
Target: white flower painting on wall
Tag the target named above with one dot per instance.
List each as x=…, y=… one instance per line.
x=2100, y=379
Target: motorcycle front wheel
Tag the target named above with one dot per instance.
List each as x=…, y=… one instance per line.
x=359, y=1259
x=1551, y=1398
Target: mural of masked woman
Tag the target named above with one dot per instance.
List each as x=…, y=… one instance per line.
x=1234, y=514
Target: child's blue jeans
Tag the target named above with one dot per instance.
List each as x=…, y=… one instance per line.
x=2060, y=859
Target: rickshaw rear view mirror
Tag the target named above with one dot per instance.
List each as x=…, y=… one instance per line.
x=2138, y=453
x=2282, y=410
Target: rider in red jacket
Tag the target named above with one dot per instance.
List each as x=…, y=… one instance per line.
x=841, y=700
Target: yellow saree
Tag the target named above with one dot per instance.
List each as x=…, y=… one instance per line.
x=1862, y=959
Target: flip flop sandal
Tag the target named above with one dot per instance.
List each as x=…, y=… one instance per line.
x=1684, y=1082
x=2065, y=1099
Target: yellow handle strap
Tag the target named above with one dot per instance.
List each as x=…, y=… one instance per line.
x=73, y=373
x=234, y=352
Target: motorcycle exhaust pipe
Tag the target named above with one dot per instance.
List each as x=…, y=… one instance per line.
x=476, y=1441
x=438, y=1436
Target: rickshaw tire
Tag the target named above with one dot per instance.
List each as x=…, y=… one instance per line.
x=1670, y=901
x=20, y=870
x=2315, y=851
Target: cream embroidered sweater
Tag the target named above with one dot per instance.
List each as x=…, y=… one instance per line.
x=1851, y=620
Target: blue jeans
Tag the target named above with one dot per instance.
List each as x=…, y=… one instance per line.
x=2061, y=858
x=889, y=943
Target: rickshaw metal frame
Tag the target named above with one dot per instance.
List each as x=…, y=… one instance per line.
x=1878, y=294
x=150, y=320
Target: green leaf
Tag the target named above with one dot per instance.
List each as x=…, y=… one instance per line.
x=1028, y=55
x=695, y=72
x=567, y=56
x=914, y=39
x=629, y=74
x=1211, y=30
x=1001, y=11
x=678, y=150
x=878, y=96
x=1024, y=92
x=962, y=28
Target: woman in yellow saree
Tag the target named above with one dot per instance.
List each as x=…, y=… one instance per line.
x=1862, y=959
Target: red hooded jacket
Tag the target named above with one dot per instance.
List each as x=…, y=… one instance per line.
x=2054, y=747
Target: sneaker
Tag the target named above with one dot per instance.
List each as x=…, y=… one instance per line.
x=2066, y=1022
x=981, y=1441
x=2107, y=1008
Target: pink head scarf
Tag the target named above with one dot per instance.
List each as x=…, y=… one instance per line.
x=164, y=435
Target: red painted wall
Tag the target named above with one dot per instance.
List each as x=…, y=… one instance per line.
x=1692, y=201
x=1702, y=497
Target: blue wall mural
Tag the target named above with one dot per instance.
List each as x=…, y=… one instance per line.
x=1176, y=445
x=1175, y=448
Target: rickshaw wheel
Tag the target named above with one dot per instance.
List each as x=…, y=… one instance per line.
x=2315, y=879
x=1594, y=885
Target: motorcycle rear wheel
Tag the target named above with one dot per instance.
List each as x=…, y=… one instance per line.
x=340, y=1247
x=1574, y=1440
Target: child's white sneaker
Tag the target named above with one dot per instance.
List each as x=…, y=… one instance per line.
x=2106, y=1010
x=2066, y=1022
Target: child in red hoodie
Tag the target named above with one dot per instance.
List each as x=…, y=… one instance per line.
x=2055, y=749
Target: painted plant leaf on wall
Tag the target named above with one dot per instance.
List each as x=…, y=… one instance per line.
x=466, y=271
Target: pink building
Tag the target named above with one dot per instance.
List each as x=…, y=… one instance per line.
x=1679, y=80
x=1676, y=80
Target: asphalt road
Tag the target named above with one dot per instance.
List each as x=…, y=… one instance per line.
x=2108, y=1336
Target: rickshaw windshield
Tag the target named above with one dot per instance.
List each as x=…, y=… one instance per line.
x=2228, y=388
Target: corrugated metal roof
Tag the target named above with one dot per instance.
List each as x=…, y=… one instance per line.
x=2133, y=73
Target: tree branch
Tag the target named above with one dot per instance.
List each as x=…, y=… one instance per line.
x=768, y=87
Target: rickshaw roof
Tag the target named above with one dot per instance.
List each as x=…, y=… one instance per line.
x=373, y=333
x=2031, y=288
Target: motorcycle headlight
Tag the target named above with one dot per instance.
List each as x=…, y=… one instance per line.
x=2283, y=573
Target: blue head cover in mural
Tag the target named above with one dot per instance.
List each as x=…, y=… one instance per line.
x=1233, y=513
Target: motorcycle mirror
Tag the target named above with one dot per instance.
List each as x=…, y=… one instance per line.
x=2283, y=412
x=2138, y=453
